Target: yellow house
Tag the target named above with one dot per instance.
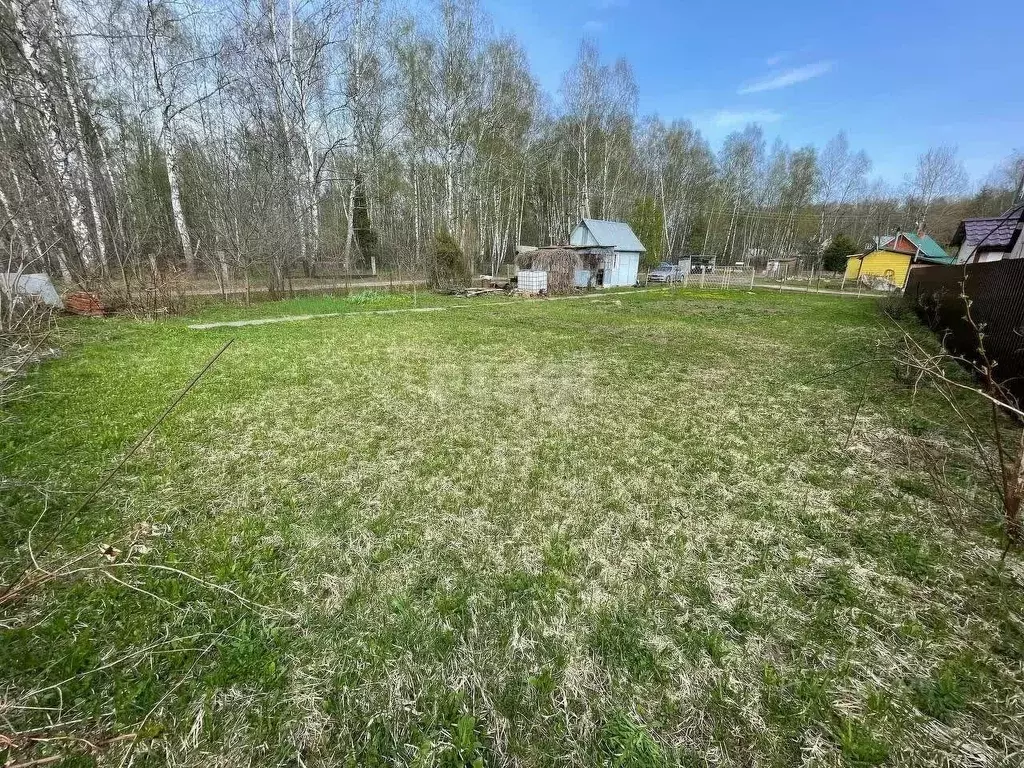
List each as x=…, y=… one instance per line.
x=891, y=261
x=889, y=266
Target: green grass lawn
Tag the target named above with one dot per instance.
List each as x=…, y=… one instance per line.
x=637, y=530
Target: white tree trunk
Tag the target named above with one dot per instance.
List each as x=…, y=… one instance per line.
x=312, y=193
x=351, y=229
x=449, y=185
x=585, y=161
x=24, y=235
x=177, y=213
x=415, y=214
x=61, y=47
x=28, y=231
x=58, y=154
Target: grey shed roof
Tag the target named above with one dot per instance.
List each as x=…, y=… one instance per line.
x=990, y=232
x=617, y=234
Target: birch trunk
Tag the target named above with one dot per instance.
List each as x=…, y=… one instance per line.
x=24, y=236
x=313, y=205
x=280, y=89
x=70, y=96
x=585, y=160
x=415, y=215
x=57, y=153
x=177, y=212
x=28, y=232
x=350, y=234
x=522, y=203
x=449, y=184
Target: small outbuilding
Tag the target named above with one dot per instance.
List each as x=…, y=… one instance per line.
x=620, y=250
x=566, y=267
x=892, y=260
x=781, y=266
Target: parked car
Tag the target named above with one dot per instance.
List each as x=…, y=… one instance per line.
x=698, y=265
x=666, y=273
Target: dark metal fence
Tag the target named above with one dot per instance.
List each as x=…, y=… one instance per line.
x=996, y=292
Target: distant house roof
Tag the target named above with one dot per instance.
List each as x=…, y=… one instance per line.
x=928, y=248
x=991, y=232
x=913, y=244
x=617, y=234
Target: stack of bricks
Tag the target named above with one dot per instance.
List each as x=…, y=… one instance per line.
x=84, y=303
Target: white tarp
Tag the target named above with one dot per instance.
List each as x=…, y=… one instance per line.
x=36, y=285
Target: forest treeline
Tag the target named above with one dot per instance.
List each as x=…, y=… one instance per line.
x=143, y=139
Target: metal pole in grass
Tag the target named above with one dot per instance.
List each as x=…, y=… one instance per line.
x=752, y=273
x=117, y=467
x=686, y=279
x=856, y=413
x=702, y=273
x=809, y=280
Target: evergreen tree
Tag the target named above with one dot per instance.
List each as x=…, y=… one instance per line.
x=648, y=222
x=367, y=239
x=834, y=257
x=448, y=264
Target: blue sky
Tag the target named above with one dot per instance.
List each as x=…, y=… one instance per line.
x=805, y=70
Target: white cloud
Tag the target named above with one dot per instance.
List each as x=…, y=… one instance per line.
x=787, y=78
x=736, y=118
x=605, y=5
x=594, y=27
x=778, y=58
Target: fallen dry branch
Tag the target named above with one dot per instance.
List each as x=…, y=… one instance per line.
x=91, y=747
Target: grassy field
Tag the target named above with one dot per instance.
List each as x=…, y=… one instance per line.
x=638, y=530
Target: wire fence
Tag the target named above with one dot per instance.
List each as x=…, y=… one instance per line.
x=749, y=278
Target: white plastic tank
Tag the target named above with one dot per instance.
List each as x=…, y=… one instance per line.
x=532, y=281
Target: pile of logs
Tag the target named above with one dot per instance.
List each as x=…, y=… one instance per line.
x=85, y=303
x=478, y=291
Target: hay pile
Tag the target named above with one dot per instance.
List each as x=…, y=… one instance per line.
x=560, y=264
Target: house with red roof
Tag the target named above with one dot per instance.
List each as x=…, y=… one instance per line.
x=889, y=262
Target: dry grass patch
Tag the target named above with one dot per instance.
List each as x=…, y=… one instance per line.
x=642, y=532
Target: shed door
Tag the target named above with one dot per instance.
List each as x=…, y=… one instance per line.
x=626, y=265
x=610, y=264
x=631, y=265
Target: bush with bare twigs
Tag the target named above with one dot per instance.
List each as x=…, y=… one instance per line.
x=998, y=440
